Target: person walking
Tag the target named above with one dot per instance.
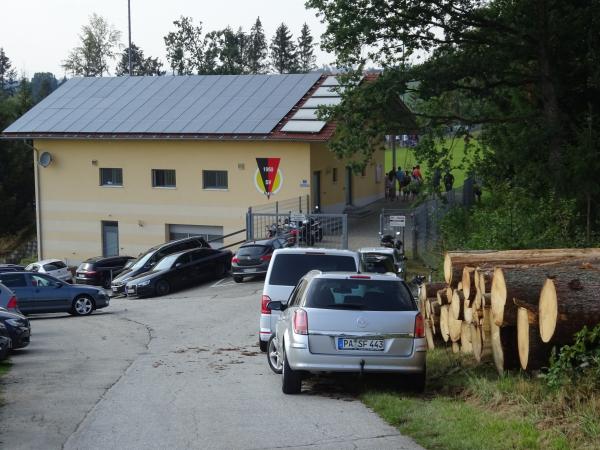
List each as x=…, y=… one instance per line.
x=448, y=181
x=390, y=186
x=399, y=179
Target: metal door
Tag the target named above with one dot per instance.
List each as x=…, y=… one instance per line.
x=110, y=238
x=316, y=189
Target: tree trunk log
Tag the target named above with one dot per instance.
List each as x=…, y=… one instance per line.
x=569, y=300
x=430, y=290
x=442, y=297
x=533, y=353
x=521, y=283
x=454, y=262
x=476, y=341
x=465, y=338
x=469, y=286
x=444, y=328
x=429, y=335
x=454, y=328
x=457, y=305
x=504, y=347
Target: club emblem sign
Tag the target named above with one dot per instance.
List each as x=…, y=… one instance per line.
x=268, y=177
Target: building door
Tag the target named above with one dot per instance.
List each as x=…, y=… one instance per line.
x=110, y=238
x=316, y=189
x=348, y=186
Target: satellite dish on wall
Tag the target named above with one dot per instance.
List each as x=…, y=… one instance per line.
x=45, y=159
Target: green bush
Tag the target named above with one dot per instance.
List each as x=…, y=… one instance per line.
x=511, y=218
x=578, y=362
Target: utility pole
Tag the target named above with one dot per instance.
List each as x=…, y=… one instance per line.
x=129, y=21
x=393, y=152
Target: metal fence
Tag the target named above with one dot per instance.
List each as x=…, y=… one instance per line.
x=419, y=226
x=302, y=230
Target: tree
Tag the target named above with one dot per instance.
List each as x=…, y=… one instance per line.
x=42, y=85
x=188, y=51
x=98, y=43
x=527, y=72
x=7, y=73
x=140, y=65
x=284, y=58
x=306, y=53
x=257, y=49
x=231, y=53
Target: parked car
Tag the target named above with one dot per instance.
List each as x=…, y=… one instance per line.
x=287, y=266
x=253, y=258
x=179, y=270
x=100, y=271
x=11, y=268
x=18, y=328
x=375, y=263
x=41, y=293
x=397, y=259
x=349, y=322
x=5, y=342
x=53, y=267
x=8, y=299
x=148, y=260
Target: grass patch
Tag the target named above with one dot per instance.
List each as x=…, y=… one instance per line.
x=405, y=158
x=468, y=406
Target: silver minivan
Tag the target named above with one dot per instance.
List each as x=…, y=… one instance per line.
x=349, y=322
x=286, y=268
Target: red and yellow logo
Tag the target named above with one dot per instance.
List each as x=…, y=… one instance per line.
x=268, y=177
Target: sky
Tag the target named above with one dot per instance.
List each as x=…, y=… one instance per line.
x=37, y=35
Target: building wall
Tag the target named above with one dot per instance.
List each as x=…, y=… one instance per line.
x=365, y=189
x=73, y=204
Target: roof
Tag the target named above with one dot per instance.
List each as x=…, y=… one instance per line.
x=169, y=105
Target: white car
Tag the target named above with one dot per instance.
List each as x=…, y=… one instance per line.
x=286, y=268
x=53, y=267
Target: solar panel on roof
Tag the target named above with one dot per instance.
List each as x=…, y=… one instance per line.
x=202, y=104
x=303, y=126
x=327, y=92
x=325, y=101
x=331, y=81
x=305, y=114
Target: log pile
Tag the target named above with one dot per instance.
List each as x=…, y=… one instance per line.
x=518, y=304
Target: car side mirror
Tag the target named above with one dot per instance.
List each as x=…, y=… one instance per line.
x=178, y=265
x=275, y=306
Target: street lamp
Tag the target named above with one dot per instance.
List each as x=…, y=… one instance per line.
x=129, y=21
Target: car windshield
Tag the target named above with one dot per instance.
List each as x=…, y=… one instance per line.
x=129, y=264
x=165, y=263
x=55, y=265
x=143, y=259
x=289, y=268
x=253, y=250
x=360, y=294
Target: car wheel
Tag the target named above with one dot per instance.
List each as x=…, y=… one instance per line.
x=273, y=356
x=82, y=306
x=162, y=287
x=263, y=345
x=238, y=279
x=106, y=282
x=4, y=352
x=291, y=381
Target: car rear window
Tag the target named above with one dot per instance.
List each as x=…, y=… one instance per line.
x=13, y=280
x=85, y=266
x=54, y=266
x=289, y=268
x=253, y=250
x=378, y=264
x=359, y=294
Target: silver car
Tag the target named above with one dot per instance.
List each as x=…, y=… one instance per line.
x=349, y=322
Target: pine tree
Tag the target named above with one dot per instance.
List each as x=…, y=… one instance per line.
x=7, y=73
x=284, y=57
x=140, y=65
x=306, y=54
x=257, y=49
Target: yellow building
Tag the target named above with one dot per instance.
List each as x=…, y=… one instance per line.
x=126, y=163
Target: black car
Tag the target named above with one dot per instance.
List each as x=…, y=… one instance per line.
x=373, y=263
x=41, y=293
x=253, y=258
x=149, y=259
x=179, y=270
x=5, y=342
x=11, y=268
x=100, y=271
x=18, y=328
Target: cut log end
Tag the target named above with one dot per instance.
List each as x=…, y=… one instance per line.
x=476, y=341
x=444, y=329
x=448, y=268
x=548, y=310
x=498, y=296
x=523, y=336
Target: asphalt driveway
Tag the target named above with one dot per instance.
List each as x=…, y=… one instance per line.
x=183, y=371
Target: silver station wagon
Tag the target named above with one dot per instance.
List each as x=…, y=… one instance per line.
x=349, y=322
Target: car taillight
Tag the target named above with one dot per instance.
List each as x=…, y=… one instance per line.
x=419, y=326
x=266, y=258
x=12, y=303
x=300, y=322
x=360, y=277
x=263, y=304
x=235, y=259
x=89, y=272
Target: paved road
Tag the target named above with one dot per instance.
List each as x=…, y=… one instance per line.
x=177, y=372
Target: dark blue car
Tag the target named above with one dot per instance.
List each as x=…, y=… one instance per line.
x=41, y=293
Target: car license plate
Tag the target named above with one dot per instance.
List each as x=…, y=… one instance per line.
x=375, y=345
x=115, y=290
x=250, y=270
x=131, y=290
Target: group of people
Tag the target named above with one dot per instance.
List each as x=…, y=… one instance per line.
x=409, y=183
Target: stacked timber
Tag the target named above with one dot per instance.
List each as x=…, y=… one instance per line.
x=521, y=303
